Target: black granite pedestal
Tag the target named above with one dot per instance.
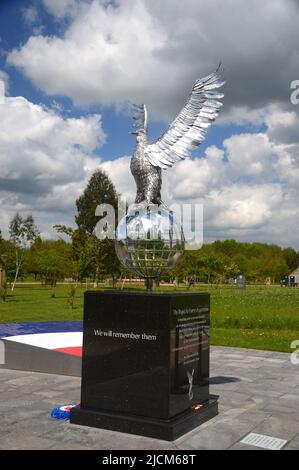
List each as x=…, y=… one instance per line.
x=145, y=367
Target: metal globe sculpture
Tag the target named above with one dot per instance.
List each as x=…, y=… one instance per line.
x=149, y=241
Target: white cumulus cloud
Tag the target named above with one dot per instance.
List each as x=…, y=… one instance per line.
x=153, y=50
x=45, y=158
x=249, y=190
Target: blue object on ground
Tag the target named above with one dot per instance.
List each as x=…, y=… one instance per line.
x=62, y=412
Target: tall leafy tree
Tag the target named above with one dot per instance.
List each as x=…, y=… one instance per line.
x=291, y=258
x=49, y=259
x=99, y=190
x=23, y=232
x=92, y=253
x=93, y=257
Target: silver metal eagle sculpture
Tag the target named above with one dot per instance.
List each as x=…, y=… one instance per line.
x=185, y=134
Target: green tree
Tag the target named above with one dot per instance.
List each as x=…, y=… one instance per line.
x=23, y=232
x=95, y=258
x=91, y=254
x=51, y=259
x=291, y=258
x=7, y=258
x=99, y=190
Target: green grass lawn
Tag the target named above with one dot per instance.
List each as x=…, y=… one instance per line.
x=35, y=303
x=258, y=318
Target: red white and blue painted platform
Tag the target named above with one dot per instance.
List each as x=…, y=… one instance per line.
x=52, y=347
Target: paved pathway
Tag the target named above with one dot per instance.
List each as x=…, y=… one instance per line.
x=259, y=392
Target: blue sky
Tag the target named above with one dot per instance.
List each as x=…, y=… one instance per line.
x=76, y=63
x=15, y=32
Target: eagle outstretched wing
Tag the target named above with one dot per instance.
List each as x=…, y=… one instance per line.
x=139, y=113
x=189, y=129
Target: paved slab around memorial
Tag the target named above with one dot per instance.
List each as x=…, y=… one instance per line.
x=259, y=393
